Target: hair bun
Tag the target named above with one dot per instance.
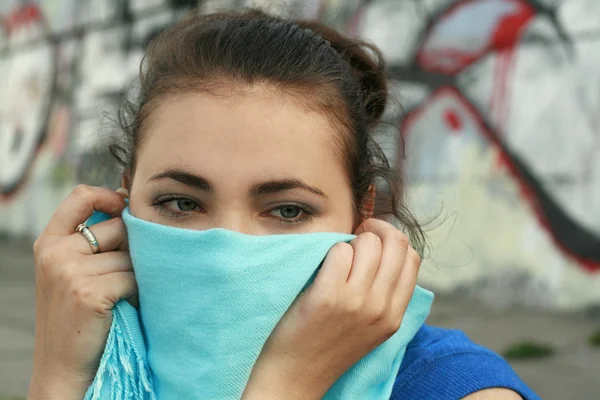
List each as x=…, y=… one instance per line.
x=367, y=64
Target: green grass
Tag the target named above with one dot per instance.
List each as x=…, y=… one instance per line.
x=527, y=350
x=2, y=397
x=595, y=339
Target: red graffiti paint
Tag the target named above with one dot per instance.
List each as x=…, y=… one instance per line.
x=28, y=88
x=453, y=121
x=454, y=42
x=28, y=14
x=562, y=229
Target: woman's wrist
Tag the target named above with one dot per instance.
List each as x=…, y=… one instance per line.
x=275, y=388
x=53, y=383
x=273, y=381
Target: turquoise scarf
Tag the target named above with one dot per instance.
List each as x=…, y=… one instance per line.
x=209, y=300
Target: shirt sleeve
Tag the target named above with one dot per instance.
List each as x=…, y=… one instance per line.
x=445, y=365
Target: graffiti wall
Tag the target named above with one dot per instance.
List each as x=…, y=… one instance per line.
x=498, y=129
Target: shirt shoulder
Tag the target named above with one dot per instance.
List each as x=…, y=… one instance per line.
x=446, y=365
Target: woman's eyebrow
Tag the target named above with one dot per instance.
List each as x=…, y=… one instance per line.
x=283, y=185
x=186, y=178
x=258, y=189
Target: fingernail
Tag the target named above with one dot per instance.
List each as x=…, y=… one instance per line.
x=123, y=192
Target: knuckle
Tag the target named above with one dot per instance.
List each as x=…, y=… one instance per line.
x=415, y=258
x=342, y=251
x=370, y=224
x=118, y=224
x=119, y=221
x=87, y=297
x=401, y=240
x=378, y=310
x=370, y=238
x=393, y=325
x=82, y=191
x=49, y=256
x=68, y=272
x=325, y=302
x=83, y=293
x=36, y=246
x=354, y=306
x=115, y=225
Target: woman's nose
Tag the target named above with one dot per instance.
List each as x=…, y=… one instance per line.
x=235, y=222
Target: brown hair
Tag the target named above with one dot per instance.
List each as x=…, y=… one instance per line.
x=325, y=70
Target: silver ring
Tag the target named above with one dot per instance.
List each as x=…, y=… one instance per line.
x=87, y=233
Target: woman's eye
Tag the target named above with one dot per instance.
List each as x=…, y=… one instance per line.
x=288, y=212
x=176, y=207
x=182, y=205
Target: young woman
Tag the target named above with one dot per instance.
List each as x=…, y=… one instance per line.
x=260, y=125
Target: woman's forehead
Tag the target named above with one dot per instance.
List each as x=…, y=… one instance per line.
x=243, y=135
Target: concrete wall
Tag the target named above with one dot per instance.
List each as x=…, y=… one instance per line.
x=500, y=121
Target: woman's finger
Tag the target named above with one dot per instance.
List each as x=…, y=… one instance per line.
x=107, y=263
x=373, y=225
x=336, y=268
x=111, y=235
x=80, y=205
x=367, y=255
x=405, y=286
x=117, y=285
x=394, y=249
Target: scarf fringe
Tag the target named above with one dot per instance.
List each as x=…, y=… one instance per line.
x=123, y=373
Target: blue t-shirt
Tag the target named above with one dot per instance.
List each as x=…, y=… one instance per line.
x=443, y=364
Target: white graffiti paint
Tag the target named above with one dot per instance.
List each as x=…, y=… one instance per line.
x=26, y=79
x=460, y=63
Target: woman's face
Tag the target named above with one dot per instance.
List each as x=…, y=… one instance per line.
x=257, y=163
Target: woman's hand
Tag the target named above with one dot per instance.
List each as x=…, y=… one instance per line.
x=356, y=302
x=76, y=291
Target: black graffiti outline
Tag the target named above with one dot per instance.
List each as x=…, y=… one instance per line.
x=125, y=18
x=9, y=190
x=573, y=239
